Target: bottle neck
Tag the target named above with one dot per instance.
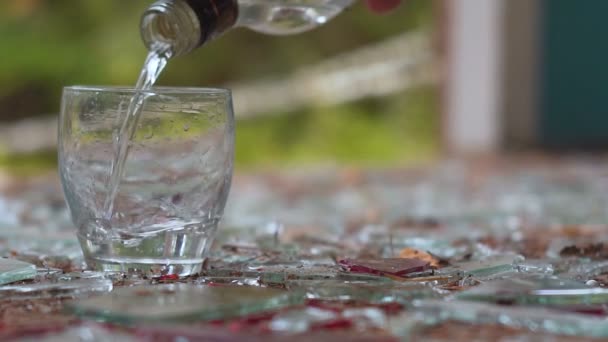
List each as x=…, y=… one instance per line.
x=176, y=27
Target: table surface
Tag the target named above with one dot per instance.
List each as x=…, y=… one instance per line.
x=509, y=249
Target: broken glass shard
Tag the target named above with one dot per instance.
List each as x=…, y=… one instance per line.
x=15, y=270
x=362, y=291
x=392, y=266
x=530, y=318
x=84, y=333
x=535, y=267
x=279, y=274
x=488, y=267
x=61, y=289
x=297, y=321
x=182, y=302
x=539, y=291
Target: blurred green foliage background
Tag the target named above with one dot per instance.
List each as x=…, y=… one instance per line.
x=47, y=44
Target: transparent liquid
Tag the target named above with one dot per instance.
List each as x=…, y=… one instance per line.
x=164, y=218
x=284, y=17
x=153, y=66
x=173, y=247
x=142, y=247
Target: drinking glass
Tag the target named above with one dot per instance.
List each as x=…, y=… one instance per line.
x=176, y=177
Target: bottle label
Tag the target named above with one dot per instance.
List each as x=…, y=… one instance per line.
x=214, y=16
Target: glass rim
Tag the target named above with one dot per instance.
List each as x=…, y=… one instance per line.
x=154, y=90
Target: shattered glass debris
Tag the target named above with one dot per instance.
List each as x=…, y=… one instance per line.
x=511, y=252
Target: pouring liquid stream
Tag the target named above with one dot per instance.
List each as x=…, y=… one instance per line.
x=277, y=17
x=153, y=66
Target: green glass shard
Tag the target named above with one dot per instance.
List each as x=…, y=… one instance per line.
x=528, y=318
x=60, y=289
x=363, y=291
x=182, y=302
x=536, y=290
x=15, y=270
x=488, y=267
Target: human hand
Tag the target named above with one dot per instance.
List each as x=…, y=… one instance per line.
x=382, y=6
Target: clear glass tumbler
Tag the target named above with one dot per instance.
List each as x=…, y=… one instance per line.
x=176, y=178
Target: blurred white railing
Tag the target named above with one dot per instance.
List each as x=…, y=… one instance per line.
x=391, y=66
x=29, y=135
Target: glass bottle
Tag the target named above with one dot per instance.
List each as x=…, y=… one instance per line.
x=177, y=27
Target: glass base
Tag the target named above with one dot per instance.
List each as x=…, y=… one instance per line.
x=178, y=251
x=147, y=267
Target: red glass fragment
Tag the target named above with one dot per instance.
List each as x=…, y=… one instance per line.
x=169, y=277
x=391, y=266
